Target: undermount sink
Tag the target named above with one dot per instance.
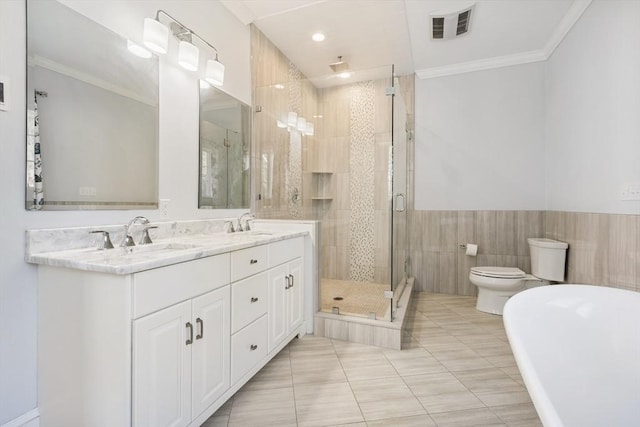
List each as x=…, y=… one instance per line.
x=131, y=253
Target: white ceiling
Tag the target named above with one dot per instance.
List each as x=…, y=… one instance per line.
x=373, y=34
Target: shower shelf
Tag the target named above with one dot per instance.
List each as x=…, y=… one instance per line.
x=322, y=198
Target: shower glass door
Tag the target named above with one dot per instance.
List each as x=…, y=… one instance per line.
x=401, y=135
x=340, y=173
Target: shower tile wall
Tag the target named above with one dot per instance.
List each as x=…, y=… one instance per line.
x=278, y=155
x=350, y=169
x=335, y=171
x=604, y=249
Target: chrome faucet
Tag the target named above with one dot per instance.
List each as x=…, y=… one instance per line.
x=128, y=240
x=246, y=227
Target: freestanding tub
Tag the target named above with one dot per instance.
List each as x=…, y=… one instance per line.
x=578, y=350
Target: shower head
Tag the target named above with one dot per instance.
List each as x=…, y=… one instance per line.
x=340, y=66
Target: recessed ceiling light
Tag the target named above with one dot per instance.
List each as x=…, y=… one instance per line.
x=345, y=75
x=318, y=37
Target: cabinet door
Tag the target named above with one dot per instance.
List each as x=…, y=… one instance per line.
x=210, y=352
x=278, y=290
x=295, y=296
x=162, y=368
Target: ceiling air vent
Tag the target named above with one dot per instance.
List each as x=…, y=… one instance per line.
x=445, y=26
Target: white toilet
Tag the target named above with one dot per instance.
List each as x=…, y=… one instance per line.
x=497, y=284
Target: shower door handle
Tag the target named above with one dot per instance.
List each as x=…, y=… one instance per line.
x=398, y=206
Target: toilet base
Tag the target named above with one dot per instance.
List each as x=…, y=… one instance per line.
x=492, y=302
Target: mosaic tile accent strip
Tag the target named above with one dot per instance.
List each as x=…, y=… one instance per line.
x=362, y=181
x=293, y=183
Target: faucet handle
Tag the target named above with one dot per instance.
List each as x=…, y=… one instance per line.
x=105, y=243
x=145, y=239
x=231, y=228
x=128, y=240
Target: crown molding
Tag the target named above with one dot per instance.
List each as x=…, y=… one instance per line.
x=482, y=64
x=572, y=16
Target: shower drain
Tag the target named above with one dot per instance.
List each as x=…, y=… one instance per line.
x=338, y=298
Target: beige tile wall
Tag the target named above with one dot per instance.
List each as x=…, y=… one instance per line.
x=604, y=249
x=440, y=265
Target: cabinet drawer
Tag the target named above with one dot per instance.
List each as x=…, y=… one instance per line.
x=285, y=250
x=248, y=300
x=248, y=347
x=165, y=286
x=247, y=262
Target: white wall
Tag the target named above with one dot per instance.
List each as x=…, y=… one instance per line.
x=479, y=140
x=593, y=111
x=178, y=162
x=563, y=134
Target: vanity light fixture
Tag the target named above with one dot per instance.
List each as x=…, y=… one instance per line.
x=291, y=121
x=156, y=38
x=301, y=125
x=309, y=129
x=138, y=50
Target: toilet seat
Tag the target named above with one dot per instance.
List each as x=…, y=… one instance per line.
x=499, y=272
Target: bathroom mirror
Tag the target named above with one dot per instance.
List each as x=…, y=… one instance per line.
x=225, y=141
x=92, y=115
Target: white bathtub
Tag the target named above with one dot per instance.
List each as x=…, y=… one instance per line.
x=578, y=350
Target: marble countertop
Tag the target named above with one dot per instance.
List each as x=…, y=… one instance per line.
x=161, y=253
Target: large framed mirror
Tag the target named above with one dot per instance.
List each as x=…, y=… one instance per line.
x=92, y=115
x=225, y=150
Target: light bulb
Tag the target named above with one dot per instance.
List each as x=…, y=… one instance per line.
x=301, y=125
x=155, y=36
x=292, y=119
x=309, y=129
x=188, y=56
x=214, y=73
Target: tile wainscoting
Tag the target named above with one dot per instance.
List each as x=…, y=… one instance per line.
x=604, y=249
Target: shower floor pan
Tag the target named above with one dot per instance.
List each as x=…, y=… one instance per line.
x=355, y=322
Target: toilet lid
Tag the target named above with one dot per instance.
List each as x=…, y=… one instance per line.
x=499, y=272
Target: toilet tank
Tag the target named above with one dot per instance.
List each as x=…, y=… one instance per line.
x=547, y=258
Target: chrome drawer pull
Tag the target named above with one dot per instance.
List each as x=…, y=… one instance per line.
x=287, y=281
x=253, y=261
x=201, y=323
x=190, y=339
x=254, y=299
x=292, y=280
x=254, y=347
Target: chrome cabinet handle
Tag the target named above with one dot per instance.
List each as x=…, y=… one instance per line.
x=253, y=347
x=253, y=261
x=287, y=279
x=292, y=280
x=201, y=323
x=190, y=339
x=254, y=299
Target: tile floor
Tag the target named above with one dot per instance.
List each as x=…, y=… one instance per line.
x=455, y=369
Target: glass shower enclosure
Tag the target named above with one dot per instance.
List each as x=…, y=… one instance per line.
x=337, y=152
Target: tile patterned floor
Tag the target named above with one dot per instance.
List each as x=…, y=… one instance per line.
x=455, y=369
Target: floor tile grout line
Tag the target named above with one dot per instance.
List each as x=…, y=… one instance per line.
x=348, y=381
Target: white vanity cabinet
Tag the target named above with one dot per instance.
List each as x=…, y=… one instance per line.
x=165, y=346
x=285, y=290
x=181, y=360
